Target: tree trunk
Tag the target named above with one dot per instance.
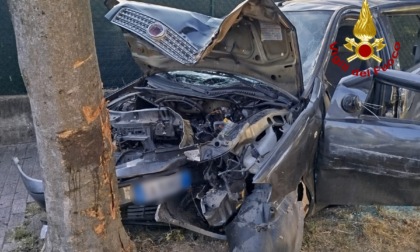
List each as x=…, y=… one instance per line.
x=59, y=66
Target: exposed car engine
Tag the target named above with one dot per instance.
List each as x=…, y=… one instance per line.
x=218, y=130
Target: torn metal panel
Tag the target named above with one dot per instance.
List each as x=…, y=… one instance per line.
x=234, y=137
x=262, y=226
x=170, y=213
x=183, y=40
x=293, y=157
x=217, y=207
x=240, y=43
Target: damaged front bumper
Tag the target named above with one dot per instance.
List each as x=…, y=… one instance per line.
x=137, y=192
x=276, y=225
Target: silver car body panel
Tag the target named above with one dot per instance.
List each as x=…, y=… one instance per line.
x=255, y=40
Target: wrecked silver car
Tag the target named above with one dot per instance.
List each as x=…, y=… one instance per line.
x=234, y=131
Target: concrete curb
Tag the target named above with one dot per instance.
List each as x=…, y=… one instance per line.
x=16, y=120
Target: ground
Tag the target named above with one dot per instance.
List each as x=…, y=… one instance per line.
x=346, y=228
x=13, y=195
x=365, y=228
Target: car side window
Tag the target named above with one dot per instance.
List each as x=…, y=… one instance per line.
x=399, y=104
x=337, y=66
x=406, y=30
x=410, y=101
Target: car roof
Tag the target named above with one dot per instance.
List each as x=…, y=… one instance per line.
x=307, y=5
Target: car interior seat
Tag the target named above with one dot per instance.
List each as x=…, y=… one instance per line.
x=417, y=49
x=334, y=73
x=410, y=105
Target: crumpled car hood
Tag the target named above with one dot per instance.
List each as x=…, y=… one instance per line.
x=254, y=40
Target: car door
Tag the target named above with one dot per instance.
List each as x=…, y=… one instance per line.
x=365, y=156
x=404, y=22
x=370, y=151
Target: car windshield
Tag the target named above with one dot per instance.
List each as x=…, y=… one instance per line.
x=310, y=27
x=212, y=79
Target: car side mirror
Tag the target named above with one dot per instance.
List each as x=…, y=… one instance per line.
x=352, y=91
x=400, y=79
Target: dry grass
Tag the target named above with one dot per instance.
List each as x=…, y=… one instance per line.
x=26, y=236
x=367, y=229
x=150, y=239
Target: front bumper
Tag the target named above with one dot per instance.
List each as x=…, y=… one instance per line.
x=137, y=191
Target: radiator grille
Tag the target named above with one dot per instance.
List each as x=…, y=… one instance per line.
x=171, y=43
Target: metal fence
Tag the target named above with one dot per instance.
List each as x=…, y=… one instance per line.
x=215, y=8
x=115, y=62
x=406, y=30
x=10, y=79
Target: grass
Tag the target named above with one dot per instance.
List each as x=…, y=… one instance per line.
x=152, y=239
x=26, y=235
x=362, y=228
x=367, y=228
x=26, y=240
x=32, y=209
x=21, y=233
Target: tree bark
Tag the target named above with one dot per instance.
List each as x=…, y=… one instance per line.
x=59, y=66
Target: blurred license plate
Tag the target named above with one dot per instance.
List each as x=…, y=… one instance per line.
x=161, y=187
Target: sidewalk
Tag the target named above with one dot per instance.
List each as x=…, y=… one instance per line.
x=13, y=196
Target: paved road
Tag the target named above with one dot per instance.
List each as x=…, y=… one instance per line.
x=13, y=196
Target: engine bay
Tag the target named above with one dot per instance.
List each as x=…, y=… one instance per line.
x=212, y=131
